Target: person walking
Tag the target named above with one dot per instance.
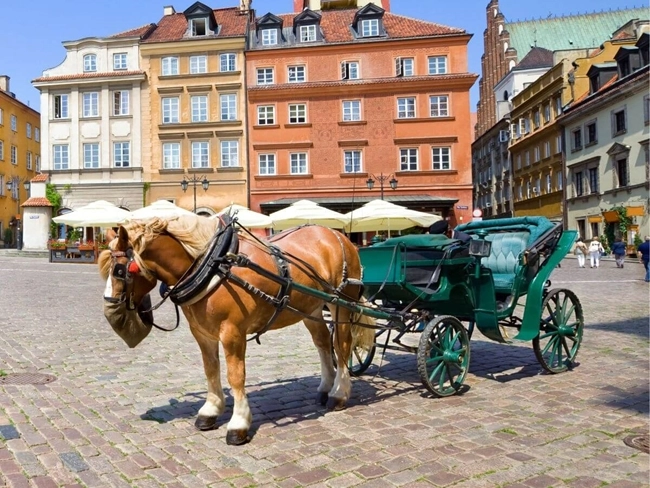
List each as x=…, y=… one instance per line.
x=595, y=250
x=581, y=252
x=643, y=251
x=619, y=249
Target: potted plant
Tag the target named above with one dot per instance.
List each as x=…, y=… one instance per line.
x=8, y=236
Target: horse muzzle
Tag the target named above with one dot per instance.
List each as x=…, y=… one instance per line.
x=131, y=325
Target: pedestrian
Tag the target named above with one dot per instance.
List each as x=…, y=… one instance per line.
x=595, y=251
x=581, y=252
x=619, y=249
x=643, y=251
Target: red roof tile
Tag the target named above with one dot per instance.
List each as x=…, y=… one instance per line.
x=173, y=27
x=74, y=76
x=37, y=202
x=40, y=178
x=137, y=32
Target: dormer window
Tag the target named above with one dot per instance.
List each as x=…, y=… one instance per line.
x=628, y=59
x=199, y=27
x=306, y=26
x=269, y=30
x=269, y=37
x=368, y=21
x=90, y=63
x=200, y=20
x=370, y=28
x=307, y=33
x=599, y=75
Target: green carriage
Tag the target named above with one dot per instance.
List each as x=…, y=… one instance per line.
x=445, y=288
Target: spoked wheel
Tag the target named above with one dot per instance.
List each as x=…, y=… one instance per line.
x=443, y=355
x=360, y=359
x=560, y=332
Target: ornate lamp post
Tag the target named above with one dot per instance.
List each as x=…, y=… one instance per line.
x=14, y=183
x=382, y=178
x=194, y=180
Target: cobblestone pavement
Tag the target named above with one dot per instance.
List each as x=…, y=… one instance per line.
x=124, y=417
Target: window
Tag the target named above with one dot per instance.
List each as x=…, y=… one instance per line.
x=199, y=104
x=169, y=66
x=14, y=123
x=199, y=27
x=296, y=74
x=198, y=64
x=404, y=67
x=560, y=181
x=61, y=106
x=229, y=154
x=547, y=113
x=351, y=110
x=90, y=104
x=527, y=158
x=406, y=108
x=297, y=113
x=121, y=102
x=558, y=144
x=227, y=62
x=369, y=27
x=441, y=158
x=267, y=164
x=549, y=184
x=576, y=139
x=307, y=33
x=646, y=110
x=121, y=154
x=170, y=110
x=526, y=128
x=619, y=125
x=119, y=61
x=437, y=65
x=408, y=159
x=171, y=155
x=28, y=130
x=2, y=151
x=38, y=164
x=622, y=178
x=578, y=183
x=593, y=180
x=228, y=103
x=298, y=163
x=61, y=156
x=200, y=154
x=547, y=150
x=91, y=155
x=14, y=155
x=528, y=189
x=536, y=154
x=536, y=121
x=352, y=161
x=350, y=70
x=439, y=106
x=269, y=37
x=90, y=63
x=266, y=115
x=264, y=76
x=37, y=134
x=518, y=159
x=590, y=133
x=2, y=116
x=558, y=107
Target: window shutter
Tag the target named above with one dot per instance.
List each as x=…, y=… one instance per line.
x=398, y=67
x=344, y=71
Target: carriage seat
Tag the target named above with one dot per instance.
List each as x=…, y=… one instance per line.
x=504, y=258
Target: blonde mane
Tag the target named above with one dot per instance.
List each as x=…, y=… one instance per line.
x=193, y=232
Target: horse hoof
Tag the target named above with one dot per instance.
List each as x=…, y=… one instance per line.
x=237, y=437
x=205, y=423
x=321, y=398
x=335, y=404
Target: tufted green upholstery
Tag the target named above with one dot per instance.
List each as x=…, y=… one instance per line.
x=504, y=258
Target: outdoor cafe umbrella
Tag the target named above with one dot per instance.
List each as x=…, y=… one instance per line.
x=306, y=212
x=380, y=215
x=160, y=208
x=96, y=214
x=246, y=217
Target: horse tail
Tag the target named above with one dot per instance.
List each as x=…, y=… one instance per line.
x=363, y=329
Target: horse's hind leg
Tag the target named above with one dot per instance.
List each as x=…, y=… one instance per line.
x=321, y=336
x=342, y=341
x=215, y=403
x=234, y=346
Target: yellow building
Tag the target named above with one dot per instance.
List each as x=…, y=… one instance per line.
x=193, y=109
x=20, y=157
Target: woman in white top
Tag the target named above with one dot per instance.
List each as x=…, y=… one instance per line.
x=595, y=250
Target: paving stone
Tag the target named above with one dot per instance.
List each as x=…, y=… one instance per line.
x=73, y=461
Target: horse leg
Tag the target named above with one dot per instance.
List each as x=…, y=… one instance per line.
x=340, y=392
x=234, y=346
x=320, y=335
x=215, y=402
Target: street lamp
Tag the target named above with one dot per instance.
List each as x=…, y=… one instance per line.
x=11, y=184
x=194, y=180
x=382, y=178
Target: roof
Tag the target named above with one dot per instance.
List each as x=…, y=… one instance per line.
x=173, y=27
x=571, y=31
x=37, y=202
x=81, y=76
x=137, y=32
x=40, y=178
x=537, y=57
x=369, y=81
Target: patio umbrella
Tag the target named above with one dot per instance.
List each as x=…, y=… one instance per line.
x=160, y=208
x=306, y=212
x=246, y=217
x=96, y=214
x=380, y=215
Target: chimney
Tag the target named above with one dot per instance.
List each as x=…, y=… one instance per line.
x=299, y=5
x=4, y=83
x=168, y=10
x=385, y=4
x=245, y=6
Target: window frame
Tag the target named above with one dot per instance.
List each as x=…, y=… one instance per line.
x=202, y=150
x=587, y=133
x=227, y=60
x=61, y=152
x=170, y=151
x=442, y=106
x=369, y=28
x=351, y=110
x=169, y=66
x=296, y=109
x=90, y=63
x=615, y=120
x=199, y=108
x=269, y=37
x=309, y=30
x=266, y=115
x=406, y=112
x=269, y=164
x=354, y=159
x=121, y=101
x=230, y=143
x=120, y=61
x=230, y=106
x=409, y=159
x=297, y=71
x=576, y=139
x=437, y=65
x=350, y=70
x=124, y=159
x=94, y=161
x=298, y=164
x=264, y=79
x=174, y=111
x=62, y=100
x=198, y=64
x=441, y=157
x=90, y=104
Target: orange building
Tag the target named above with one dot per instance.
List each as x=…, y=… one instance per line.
x=340, y=97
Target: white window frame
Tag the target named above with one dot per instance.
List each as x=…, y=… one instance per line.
x=122, y=154
x=270, y=37
x=369, y=28
x=29, y=160
x=266, y=115
x=199, y=24
x=90, y=63
x=437, y=65
x=351, y=110
x=14, y=123
x=37, y=167
x=62, y=100
x=228, y=106
x=297, y=74
x=227, y=62
x=121, y=102
x=229, y=153
x=171, y=152
x=265, y=76
x=350, y=70
x=438, y=156
x=120, y=61
x=198, y=64
x=297, y=113
x=91, y=155
x=200, y=151
x=352, y=161
x=37, y=134
x=406, y=66
x=266, y=164
x=90, y=104
x=28, y=130
x=409, y=159
x=2, y=150
x=439, y=106
x=298, y=163
x=169, y=66
x=308, y=33
x=170, y=110
x=13, y=156
x=406, y=107
x=60, y=157
x=199, y=108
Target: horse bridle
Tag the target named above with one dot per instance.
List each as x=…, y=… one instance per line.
x=124, y=273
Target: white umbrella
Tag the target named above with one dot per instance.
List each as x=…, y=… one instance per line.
x=96, y=214
x=306, y=212
x=380, y=215
x=160, y=208
x=246, y=217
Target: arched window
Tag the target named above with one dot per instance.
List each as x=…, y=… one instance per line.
x=500, y=28
x=90, y=63
x=511, y=64
x=505, y=46
x=506, y=96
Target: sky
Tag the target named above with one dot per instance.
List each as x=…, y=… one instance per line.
x=31, y=38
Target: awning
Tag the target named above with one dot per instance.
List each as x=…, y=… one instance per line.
x=595, y=219
x=423, y=203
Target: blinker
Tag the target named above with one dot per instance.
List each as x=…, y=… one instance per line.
x=119, y=271
x=133, y=267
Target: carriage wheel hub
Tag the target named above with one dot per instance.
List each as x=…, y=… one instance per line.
x=565, y=330
x=451, y=357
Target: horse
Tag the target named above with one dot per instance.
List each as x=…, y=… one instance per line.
x=242, y=296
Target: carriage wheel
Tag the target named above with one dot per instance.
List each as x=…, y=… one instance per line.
x=560, y=332
x=443, y=355
x=360, y=358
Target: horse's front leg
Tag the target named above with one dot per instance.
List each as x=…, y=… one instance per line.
x=342, y=342
x=215, y=402
x=234, y=346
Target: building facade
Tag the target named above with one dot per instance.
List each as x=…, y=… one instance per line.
x=20, y=159
x=330, y=109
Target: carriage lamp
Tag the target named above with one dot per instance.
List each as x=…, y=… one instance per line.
x=480, y=247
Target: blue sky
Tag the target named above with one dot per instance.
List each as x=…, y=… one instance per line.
x=31, y=38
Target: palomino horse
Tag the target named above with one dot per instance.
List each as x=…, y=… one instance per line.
x=239, y=300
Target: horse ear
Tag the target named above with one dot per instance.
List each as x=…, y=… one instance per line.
x=123, y=239
x=110, y=235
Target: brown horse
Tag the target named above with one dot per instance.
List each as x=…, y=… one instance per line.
x=229, y=309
